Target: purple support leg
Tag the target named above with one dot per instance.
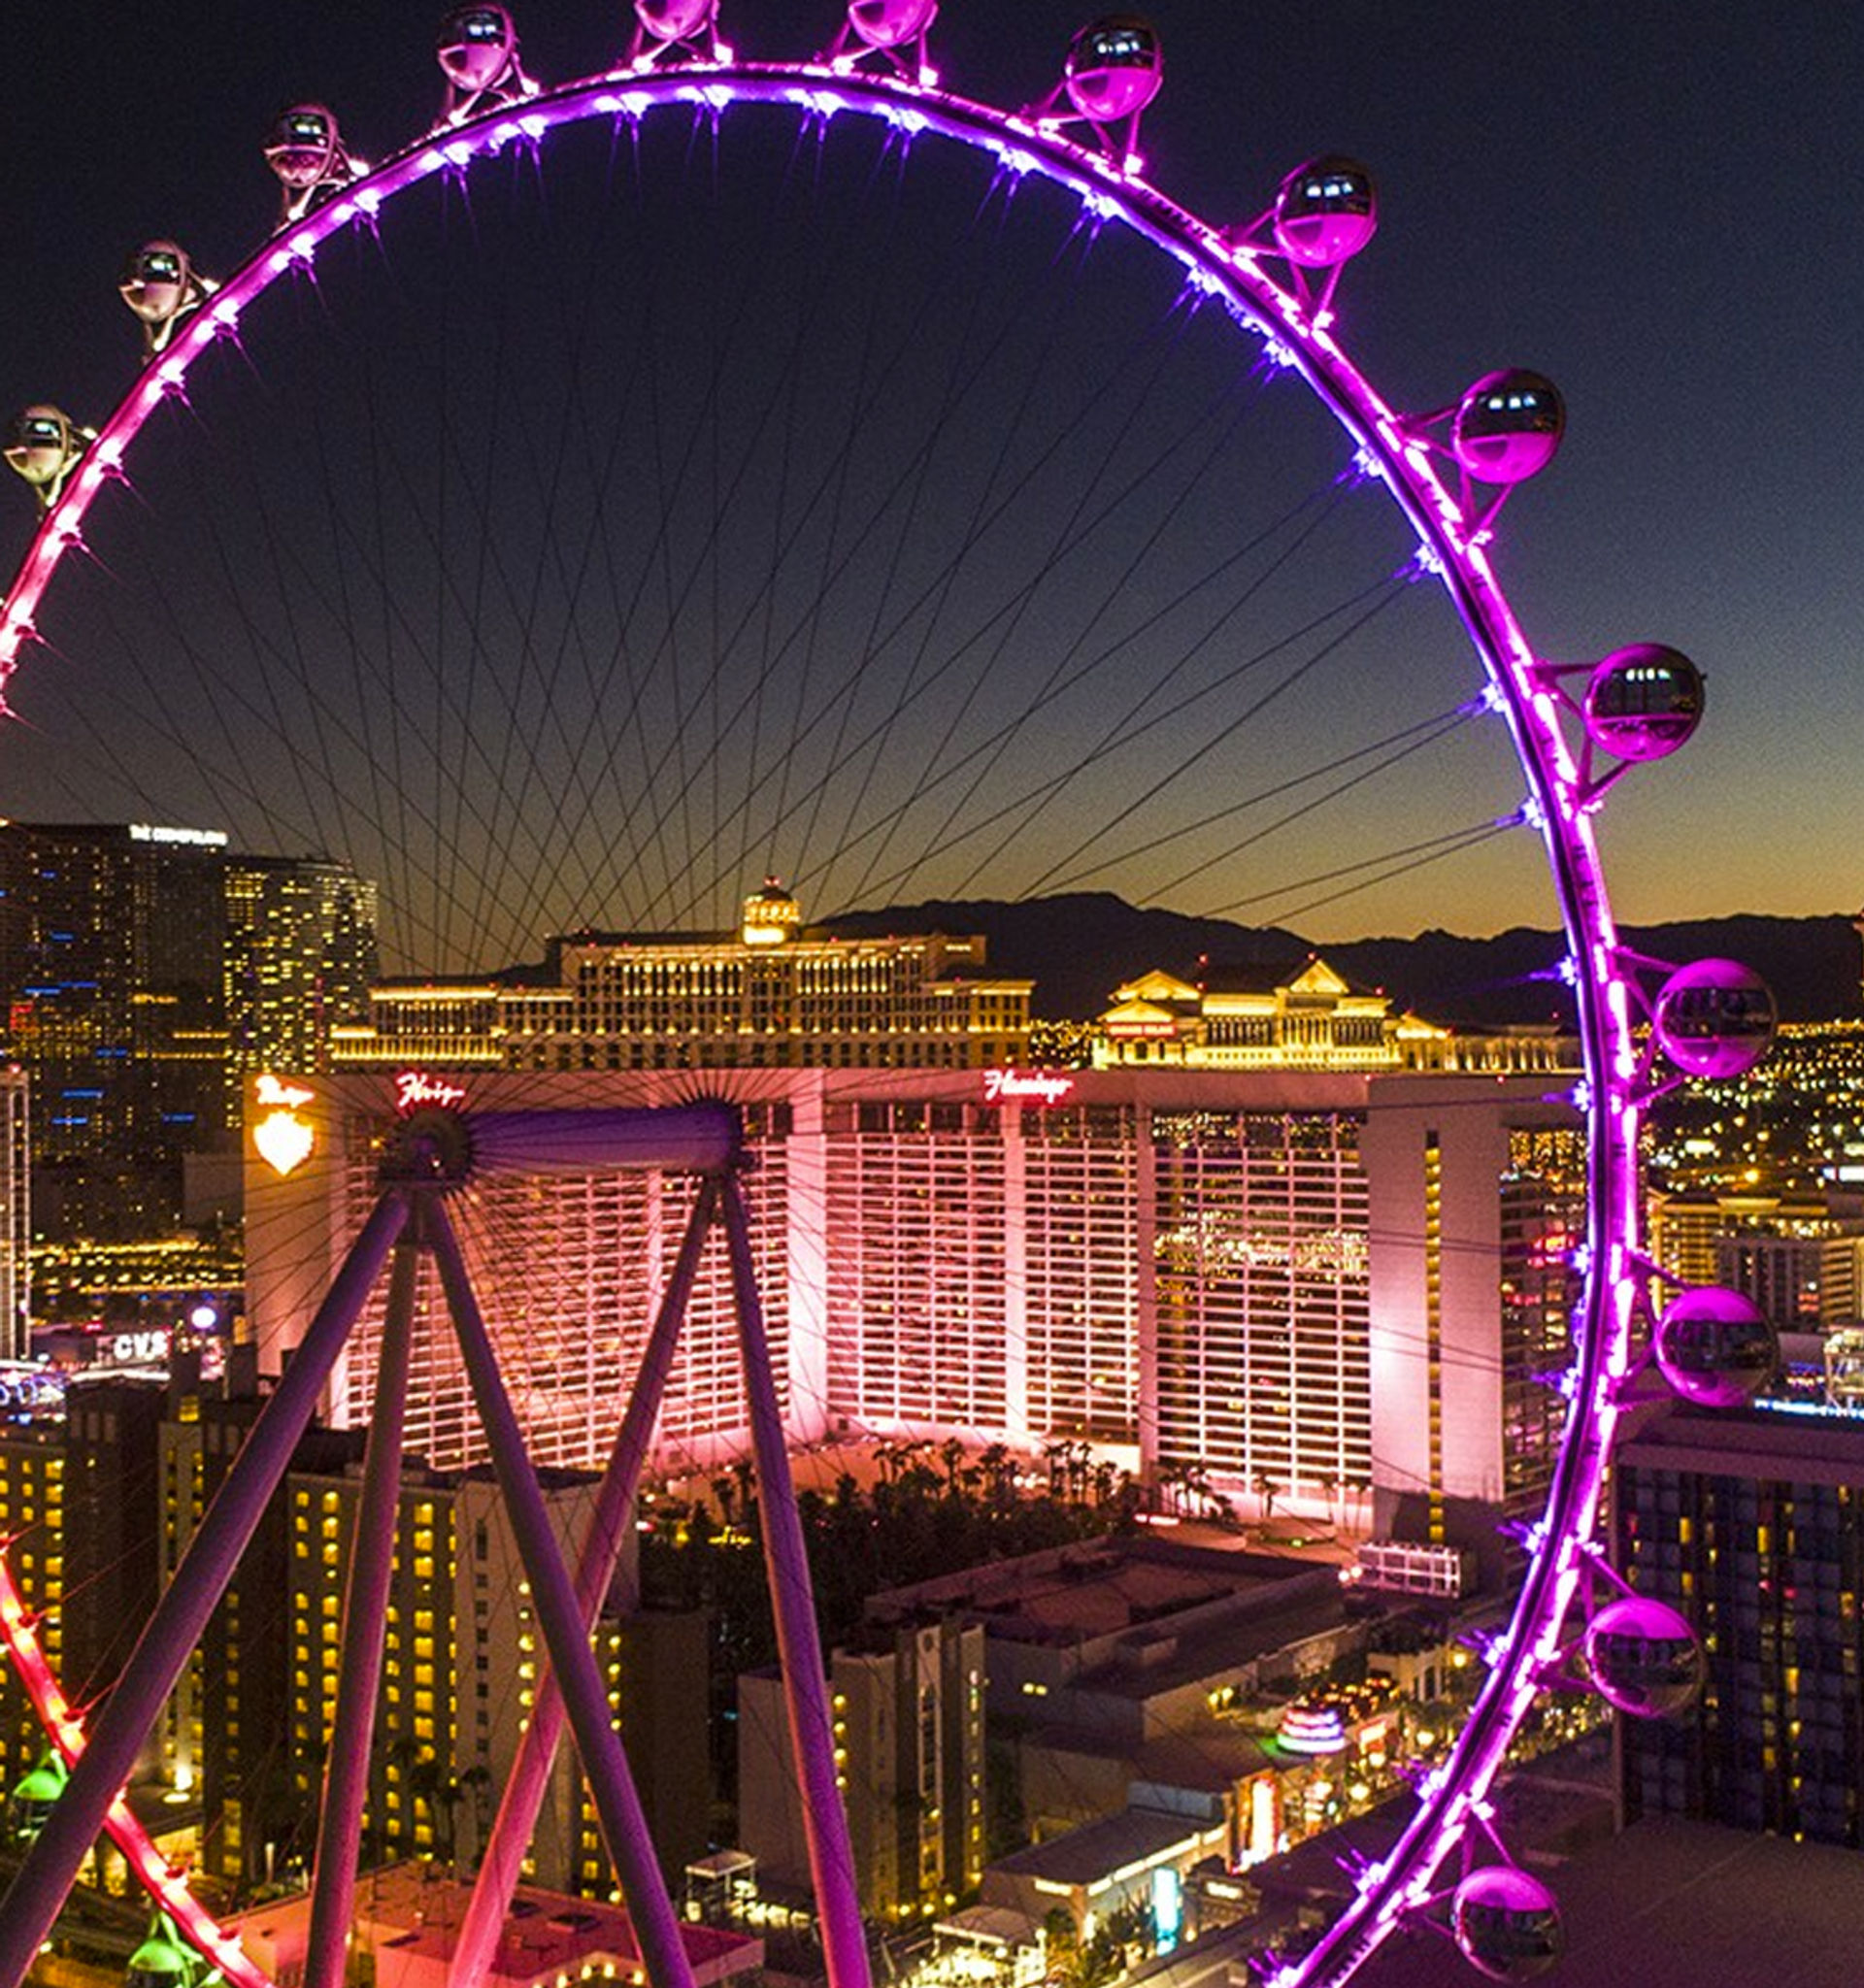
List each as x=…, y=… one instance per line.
x=365, y=1616
x=831, y=1855
x=537, y=1744
x=32, y=1904
x=624, y=1827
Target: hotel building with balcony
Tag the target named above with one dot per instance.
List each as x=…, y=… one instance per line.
x=1316, y=1279
x=775, y=994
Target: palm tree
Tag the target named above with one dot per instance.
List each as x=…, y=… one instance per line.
x=1266, y=1488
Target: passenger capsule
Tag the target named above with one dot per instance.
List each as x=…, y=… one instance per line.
x=162, y=1961
x=1715, y=1347
x=1715, y=1018
x=32, y=1799
x=887, y=24
x=156, y=280
x=42, y=445
x=1644, y=1658
x=1115, y=67
x=676, y=20
x=1507, y=426
x=1325, y=213
x=476, y=46
x=304, y=145
x=1642, y=702
x=1507, y=1923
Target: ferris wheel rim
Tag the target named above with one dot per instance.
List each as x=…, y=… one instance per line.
x=1452, y=548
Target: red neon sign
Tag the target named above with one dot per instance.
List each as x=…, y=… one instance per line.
x=1043, y=1087
x=415, y=1090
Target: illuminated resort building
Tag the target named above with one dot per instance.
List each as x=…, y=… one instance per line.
x=1300, y=1018
x=1752, y=1525
x=1475, y=1213
x=244, y=1732
x=143, y=970
x=1206, y=1271
x=1799, y=1257
x=32, y=1493
x=16, y=1216
x=906, y=1702
x=773, y=995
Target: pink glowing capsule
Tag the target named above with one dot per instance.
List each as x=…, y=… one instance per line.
x=1715, y=1347
x=476, y=46
x=1326, y=212
x=1509, y=427
x=305, y=145
x=676, y=20
x=1642, y=702
x=1715, y=1018
x=43, y=446
x=1507, y=1923
x=156, y=282
x=1644, y=1658
x=886, y=23
x=1115, y=67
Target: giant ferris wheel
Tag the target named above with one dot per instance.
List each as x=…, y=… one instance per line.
x=828, y=635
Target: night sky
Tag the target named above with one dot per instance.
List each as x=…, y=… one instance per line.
x=1650, y=205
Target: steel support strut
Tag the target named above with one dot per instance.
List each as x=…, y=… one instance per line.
x=537, y=1746
x=32, y=1903
x=625, y=1829
x=365, y=1620
x=799, y=1647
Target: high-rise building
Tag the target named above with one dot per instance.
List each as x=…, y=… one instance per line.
x=1752, y=1525
x=907, y=1703
x=113, y=1517
x=1477, y=1205
x=300, y=959
x=16, y=1216
x=1211, y=1270
x=227, y=1731
x=143, y=970
x=775, y=994
x=32, y=1517
x=1796, y=1256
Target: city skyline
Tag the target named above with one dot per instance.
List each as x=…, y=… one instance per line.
x=453, y=512
x=1425, y=312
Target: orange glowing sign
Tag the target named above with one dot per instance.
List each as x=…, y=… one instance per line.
x=285, y=1140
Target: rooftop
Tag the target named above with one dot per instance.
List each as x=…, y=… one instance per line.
x=1084, y=1856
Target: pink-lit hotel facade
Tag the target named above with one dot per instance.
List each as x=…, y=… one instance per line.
x=1326, y=1281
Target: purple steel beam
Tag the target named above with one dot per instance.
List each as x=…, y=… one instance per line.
x=365, y=1620
x=799, y=1646
x=677, y=1139
x=624, y=1827
x=32, y=1903
x=524, y=1785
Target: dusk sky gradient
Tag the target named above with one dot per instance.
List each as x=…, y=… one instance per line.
x=1650, y=205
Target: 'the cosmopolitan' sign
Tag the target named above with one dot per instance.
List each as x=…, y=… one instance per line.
x=1027, y=1087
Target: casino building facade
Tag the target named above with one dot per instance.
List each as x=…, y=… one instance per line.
x=1316, y=1281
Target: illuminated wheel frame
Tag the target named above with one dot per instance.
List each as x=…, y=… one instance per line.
x=1258, y=285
